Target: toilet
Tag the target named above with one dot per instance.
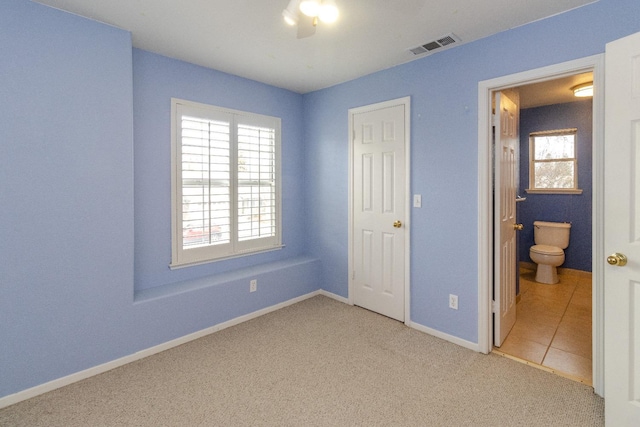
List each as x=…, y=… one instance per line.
x=550, y=238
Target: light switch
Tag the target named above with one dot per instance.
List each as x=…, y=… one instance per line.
x=417, y=201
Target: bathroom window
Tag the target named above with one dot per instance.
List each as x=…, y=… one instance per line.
x=225, y=183
x=553, y=164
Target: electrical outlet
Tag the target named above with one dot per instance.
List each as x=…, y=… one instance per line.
x=453, y=301
x=253, y=285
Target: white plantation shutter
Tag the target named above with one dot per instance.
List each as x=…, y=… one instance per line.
x=206, y=180
x=226, y=198
x=256, y=182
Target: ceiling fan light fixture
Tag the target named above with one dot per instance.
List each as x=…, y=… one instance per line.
x=290, y=14
x=305, y=15
x=289, y=18
x=328, y=12
x=583, y=90
x=310, y=7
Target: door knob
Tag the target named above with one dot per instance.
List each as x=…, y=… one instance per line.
x=518, y=227
x=397, y=224
x=617, y=259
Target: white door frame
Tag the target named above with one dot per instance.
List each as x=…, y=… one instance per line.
x=485, y=215
x=406, y=101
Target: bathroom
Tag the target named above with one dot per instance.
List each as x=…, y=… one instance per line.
x=548, y=316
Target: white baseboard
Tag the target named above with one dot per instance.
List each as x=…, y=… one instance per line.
x=79, y=376
x=453, y=339
x=334, y=296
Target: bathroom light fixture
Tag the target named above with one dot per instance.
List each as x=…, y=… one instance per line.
x=583, y=90
x=305, y=14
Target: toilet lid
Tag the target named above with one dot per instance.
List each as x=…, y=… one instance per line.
x=547, y=250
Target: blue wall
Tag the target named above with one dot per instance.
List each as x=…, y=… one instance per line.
x=72, y=90
x=573, y=208
x=66, y=199
x=156, y=80
x=85, y=145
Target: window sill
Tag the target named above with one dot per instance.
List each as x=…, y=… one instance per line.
x=553, y=191
x=174, y=266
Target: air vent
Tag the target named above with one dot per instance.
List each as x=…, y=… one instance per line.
x=443, y=41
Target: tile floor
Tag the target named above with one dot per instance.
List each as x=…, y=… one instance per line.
x=553, y=324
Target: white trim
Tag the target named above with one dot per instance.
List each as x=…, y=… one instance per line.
x=334, y=296
x=238, y=255
x=87, y=373
x=451, y=338
x=406, y=102
x=533, y=162
x=553, y=190
x=485, y=229
x=597, y=227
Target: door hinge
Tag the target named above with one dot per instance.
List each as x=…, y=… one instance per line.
x=353, y=275
x=494, y=307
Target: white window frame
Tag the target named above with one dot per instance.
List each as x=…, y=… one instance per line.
x=532, y=163
x=236, y=247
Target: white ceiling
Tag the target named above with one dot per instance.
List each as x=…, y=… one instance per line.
x=557, y=91
x=249, y=38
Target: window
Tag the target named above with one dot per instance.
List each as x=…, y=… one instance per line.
x=553, y=166
x=225, y=183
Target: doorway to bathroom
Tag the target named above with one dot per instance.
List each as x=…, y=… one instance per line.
x=556, y=326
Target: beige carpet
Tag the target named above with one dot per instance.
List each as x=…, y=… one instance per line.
x=316, y=363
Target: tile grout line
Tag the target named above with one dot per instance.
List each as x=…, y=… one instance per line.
x=580, y=378
x=559, y=322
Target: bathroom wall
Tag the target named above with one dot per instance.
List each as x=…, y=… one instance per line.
x=573, y=208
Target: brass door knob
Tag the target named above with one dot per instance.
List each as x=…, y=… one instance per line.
x=518, y=227
x=397, y=224
x=617, y=259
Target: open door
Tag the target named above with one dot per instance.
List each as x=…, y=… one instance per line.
x=506, y=123
x=622, y=233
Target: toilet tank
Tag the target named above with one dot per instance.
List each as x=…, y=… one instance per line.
x=551, y=233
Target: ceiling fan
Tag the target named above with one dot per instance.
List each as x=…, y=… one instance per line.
x=305, y=14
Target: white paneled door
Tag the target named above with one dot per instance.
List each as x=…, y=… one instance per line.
x=622, y=233
x=507, y=137
x=378, y=208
